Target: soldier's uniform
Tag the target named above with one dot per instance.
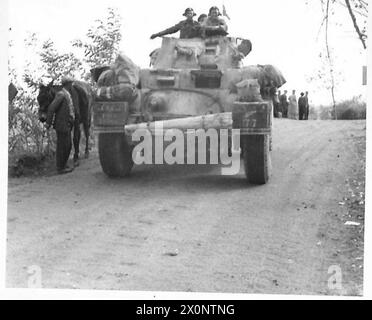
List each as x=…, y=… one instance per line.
x=302, y=107
x=214, y=21
x=284, y=105
x=273, y=94
x=188, y=28
x=307, y=106
x=61, y=114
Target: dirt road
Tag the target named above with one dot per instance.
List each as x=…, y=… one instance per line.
x=187, y=228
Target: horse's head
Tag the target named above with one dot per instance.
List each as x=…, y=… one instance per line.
x=44, y=98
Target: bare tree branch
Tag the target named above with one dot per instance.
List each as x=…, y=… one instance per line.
x=361, y=35
x=365, y=15
x=321, y=26
x=363, y=4
x=329, y=58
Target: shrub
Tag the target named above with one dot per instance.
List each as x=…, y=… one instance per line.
x=351, y=109
x=325, y=112
x=29, y=143
x=26, y=133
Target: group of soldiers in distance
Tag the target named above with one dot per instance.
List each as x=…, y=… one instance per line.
x=290, y=107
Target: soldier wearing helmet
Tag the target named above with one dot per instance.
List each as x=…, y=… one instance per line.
x=188, y=28
x=214, y=25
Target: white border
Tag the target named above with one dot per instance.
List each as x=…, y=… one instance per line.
x=137, y=295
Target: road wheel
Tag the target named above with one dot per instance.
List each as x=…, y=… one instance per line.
x=256, y=156
x=115, y=154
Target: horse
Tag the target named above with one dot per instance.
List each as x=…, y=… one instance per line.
x=82, y=98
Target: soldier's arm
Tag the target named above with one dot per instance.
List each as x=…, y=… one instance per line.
x=53, y=108
x=170, y=30
x=223, y=24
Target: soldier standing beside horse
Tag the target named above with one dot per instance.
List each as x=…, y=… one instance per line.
x=66, y=107
x=62, y=111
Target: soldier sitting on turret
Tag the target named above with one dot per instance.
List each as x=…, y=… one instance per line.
x=188, y=28
x=214, y=25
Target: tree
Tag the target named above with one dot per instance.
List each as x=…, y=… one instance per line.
x=360, y=8
x=44, y=63
x=326, y=11
x=48, y=64
x=356, y=9
x=103, y=40
x=25, y=132
x=58, y=65
x=358, y=12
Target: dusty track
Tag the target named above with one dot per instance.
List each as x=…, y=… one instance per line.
x=187, y=228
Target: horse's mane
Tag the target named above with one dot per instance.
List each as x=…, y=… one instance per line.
x=82, y=90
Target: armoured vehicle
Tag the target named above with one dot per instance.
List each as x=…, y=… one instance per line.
x=190, y=79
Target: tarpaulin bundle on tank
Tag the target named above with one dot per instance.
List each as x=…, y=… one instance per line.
x=119, y=82
x=271, y=73
x=126, y=70
x=264, y=74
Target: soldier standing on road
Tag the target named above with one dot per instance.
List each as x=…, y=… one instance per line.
x=188, y=28
x=280, y=111
x=284, y=104
x=272, y=94
x=302, y=107
x=62, y=110
x=307, y=105
x=293, y=107
x=275, y=98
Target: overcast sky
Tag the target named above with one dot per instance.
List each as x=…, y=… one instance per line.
x=284, y=33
